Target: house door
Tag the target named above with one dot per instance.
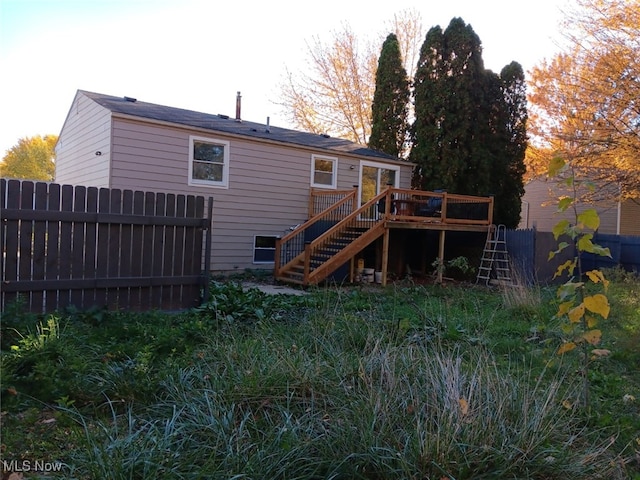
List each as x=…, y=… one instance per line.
x=375, y=177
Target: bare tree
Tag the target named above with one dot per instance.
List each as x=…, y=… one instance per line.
x=335, y=94
x=407, y=26
x=334, y=97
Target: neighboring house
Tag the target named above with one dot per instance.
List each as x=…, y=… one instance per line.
x=539, y=210
x=259, y=176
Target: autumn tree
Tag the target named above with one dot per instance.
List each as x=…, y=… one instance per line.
x=336, y=94
x=33, y=158
x=335, y=97
x=390, y=101
x=585, y=101
x=408, y=28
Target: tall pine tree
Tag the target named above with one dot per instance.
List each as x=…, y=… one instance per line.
x=390, y=101
x=448, y=101
x=429, y=102
x=469, y=134
x=509, y=169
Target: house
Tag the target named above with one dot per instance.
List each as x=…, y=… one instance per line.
x=260, y=176
x=539, y=210
x=264, y=180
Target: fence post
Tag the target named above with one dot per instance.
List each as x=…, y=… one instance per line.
x=207, y=250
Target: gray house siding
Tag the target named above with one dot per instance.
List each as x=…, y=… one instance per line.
x=539, y=209
x=87, y=130
x=268, y=188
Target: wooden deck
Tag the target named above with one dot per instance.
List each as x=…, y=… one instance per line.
x=337, y=231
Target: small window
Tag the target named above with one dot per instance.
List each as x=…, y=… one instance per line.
x=323, y=171
x=264, y=249
x=208, y=162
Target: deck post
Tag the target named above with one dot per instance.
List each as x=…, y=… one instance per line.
x=385, y=256
x=352, y=269
x=307, y=262
x=441, y=255
x=490, y=207
x=354, y=201
x=276, y=258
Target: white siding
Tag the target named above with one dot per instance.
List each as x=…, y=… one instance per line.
x=268, y=191
x=539, y=209
x=86, y=131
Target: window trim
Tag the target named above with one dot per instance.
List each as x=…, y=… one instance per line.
x=269, y=262
x=334, y=171
x=225, y=166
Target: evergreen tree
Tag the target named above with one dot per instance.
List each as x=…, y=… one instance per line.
x=469, y=134
x=464, y=117
x=508, y=174
x=449, y=117
x=390, y=101
x=429, y=104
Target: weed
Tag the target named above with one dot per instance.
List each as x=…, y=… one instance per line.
x=402, y=382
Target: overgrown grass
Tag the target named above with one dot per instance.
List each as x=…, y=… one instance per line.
x=404, y=382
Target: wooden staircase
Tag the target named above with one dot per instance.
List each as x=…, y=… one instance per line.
x=350, y=230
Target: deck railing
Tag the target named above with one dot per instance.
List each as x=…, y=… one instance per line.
x=332, y=237
x=439, y=207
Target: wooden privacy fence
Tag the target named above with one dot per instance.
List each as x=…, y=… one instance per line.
x=97, y=247
x=529, y=253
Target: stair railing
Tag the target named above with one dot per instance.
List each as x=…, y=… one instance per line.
x=320, y=199
x=291, y=246
x=328, y=246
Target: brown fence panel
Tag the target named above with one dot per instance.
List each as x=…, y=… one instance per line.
x=89, y=247
x=10, y=228
x=52, y=252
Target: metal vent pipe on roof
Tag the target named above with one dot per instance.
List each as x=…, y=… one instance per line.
x=238, y=107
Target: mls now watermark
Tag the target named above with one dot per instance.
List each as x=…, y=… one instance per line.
x=40, y=466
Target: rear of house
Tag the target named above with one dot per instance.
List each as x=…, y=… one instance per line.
x=259, y=176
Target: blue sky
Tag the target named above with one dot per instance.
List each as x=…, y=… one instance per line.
x=197, y=54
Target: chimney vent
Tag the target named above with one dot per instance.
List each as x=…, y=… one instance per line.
x=238, y=107
x=268, y=126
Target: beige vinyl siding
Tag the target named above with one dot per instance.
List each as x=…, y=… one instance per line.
x=86, y=131
x=539, y=209
x=630, y=217
x=268, y=191
x=269, y=182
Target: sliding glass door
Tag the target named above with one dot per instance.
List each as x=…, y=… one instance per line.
x=375, y=177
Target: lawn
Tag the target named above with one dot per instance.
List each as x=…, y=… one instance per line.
x=409, y=381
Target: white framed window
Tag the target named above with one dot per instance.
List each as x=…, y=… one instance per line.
x=208, y=162
x=324, y=171
x=264, y=249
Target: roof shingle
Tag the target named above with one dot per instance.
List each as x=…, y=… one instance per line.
x=225, y=124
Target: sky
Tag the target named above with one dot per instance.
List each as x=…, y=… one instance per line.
x=197, y=54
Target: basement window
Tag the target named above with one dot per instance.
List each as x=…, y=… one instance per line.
x=208, y=162
x=264, y=249
x=323, y=171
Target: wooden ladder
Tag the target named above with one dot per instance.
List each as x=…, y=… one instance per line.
x=495, y=266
